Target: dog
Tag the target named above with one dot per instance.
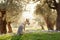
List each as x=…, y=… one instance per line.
x=22, y=27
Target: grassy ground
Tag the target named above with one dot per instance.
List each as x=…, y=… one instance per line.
x=32, y=36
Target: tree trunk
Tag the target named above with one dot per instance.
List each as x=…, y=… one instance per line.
x=9, y=27
x=58, y=18
x=4, y=30
x=58, y=22
x=57, y=7
x=3, y=23
x=42, y=27
x=50, y=25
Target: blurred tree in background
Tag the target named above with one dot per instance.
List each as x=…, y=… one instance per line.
x=56, y=6
x=9, y=10
x=48, y=14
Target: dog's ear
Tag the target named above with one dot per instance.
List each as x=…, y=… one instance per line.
x=27, y=20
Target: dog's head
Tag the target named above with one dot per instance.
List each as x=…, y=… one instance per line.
x=27, y=21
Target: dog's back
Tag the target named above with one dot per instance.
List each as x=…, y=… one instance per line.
x=20, y=29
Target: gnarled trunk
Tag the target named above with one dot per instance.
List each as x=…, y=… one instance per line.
x=3, y=23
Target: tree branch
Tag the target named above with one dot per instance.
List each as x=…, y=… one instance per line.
x=50, y=4
x=51, y=7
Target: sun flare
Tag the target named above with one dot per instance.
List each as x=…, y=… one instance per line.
x=27, y=15
x=29, y=11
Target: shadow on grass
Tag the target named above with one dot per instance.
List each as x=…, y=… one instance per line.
x=16, y=37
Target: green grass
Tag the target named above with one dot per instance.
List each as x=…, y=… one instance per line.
x=32, y=36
